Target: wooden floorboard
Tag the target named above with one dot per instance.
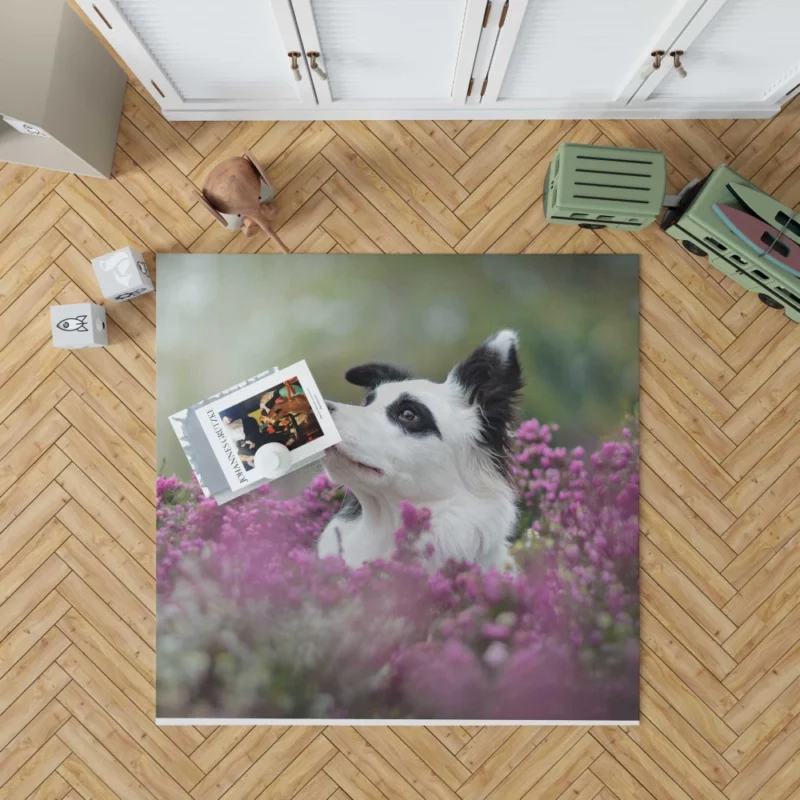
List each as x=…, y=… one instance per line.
x=720, y=474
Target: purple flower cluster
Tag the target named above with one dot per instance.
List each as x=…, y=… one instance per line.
x=589, y=510
x=253, y=624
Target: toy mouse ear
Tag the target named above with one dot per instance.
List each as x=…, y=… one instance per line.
x=213, y=211
x=257, y=167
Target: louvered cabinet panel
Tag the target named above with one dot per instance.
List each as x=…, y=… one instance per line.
x=213, y=49
x=388, y=52
x=206, y=52
x=432, y=59
x=581, y=50
x=747, y=52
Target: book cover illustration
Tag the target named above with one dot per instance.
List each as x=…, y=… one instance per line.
x=221, y=435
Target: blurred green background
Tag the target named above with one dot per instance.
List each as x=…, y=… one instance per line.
x=224, y=318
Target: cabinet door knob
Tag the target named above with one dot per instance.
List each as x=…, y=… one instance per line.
x=313, y=56
x=658, y=56
x=676, y=60
x=295, y=66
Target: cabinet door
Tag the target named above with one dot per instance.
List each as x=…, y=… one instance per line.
x=391, y=53
x=579, y=52
x=208, y=54
x=736, y=51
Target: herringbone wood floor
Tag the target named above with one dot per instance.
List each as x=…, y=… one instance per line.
x=720, y=408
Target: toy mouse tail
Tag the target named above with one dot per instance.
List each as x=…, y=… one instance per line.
x=269, y=230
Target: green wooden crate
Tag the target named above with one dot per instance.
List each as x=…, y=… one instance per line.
x=703, y=233
x=605, y=187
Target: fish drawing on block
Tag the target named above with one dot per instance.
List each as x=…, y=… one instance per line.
x=73, y=324
x=763, y=238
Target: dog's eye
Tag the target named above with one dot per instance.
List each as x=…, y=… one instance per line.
x=407, y=415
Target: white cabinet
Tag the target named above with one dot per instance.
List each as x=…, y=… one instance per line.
x=339, y=59
x=398, y=53
x=589, y=58
x=208, y=55
x=571, y=51
x=738, y=51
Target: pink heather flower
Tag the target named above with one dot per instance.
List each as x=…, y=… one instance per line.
x=253, y=623
x=491, y=630
x=496, y=654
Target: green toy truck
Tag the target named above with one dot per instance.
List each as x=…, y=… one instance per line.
x=701, y=231
x=605, y=187
x=611, y=187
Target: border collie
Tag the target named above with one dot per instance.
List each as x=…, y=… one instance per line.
x=443, y=446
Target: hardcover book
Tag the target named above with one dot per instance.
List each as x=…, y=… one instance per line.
x=221, y=434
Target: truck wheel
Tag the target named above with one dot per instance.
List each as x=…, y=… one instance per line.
x=693, y=248
x=769, y=301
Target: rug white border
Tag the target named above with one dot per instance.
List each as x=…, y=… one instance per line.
x=167, y=721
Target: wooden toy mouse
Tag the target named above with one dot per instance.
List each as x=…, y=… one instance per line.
x=233, y=188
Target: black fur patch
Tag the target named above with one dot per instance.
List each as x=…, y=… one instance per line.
x=350, y=507
x=371, y=375
x=492, y=382
x=423, y=424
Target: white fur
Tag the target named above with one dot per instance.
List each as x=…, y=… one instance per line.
x=503, y=342
x=473, y=509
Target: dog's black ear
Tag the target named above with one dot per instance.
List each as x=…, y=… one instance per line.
x=491, y=375
x=371, y=375
x=491, y=378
